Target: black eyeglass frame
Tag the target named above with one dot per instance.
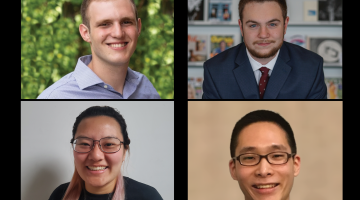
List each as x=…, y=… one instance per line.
x=72, y=142
x=289, y=155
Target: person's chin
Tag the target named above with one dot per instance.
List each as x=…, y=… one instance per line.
x=96, y=183
x=119, y=59
x=264, y=197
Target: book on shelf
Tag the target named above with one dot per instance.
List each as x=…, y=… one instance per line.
x=311, y=11
x=334, y=88
x=197, y=48
x=195, y=10
x=195, y=87
x=330, y=10
x=330, y=48
x=219, y=10
x=220, y=43
x=298, y=39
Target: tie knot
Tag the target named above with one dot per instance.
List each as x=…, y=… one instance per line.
x=264, y=70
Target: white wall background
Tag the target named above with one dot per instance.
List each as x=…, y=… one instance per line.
x=47, y=157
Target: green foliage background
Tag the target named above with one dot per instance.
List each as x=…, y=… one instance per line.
x=51, y=44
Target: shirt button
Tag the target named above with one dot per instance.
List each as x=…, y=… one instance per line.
x=105, y=86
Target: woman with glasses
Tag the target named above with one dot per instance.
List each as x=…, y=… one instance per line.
x=100, y=142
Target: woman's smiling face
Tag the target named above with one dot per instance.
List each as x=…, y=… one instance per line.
x=96, y=128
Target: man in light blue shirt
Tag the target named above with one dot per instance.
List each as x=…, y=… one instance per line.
x=112, y=29
x=83, y=83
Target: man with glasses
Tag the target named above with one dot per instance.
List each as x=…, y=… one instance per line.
x=263, y=156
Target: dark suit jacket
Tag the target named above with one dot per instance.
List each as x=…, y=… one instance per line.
x=297, y=74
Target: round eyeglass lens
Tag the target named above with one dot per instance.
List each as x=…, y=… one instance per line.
x=110, y=144
x=83, y=145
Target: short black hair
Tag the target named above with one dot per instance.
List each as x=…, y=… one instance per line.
x=262, y=116
x=103, y=111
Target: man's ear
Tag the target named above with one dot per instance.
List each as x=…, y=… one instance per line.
x=241, y=28
x=232, y=169
x=84, y=32
x=296, y=165
x=139, y=26
x=286, y=24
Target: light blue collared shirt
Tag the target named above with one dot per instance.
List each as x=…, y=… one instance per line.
x=83, y=83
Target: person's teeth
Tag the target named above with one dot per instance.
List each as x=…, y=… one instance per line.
x=96, y=168
x=265, y=186
x=118, y=45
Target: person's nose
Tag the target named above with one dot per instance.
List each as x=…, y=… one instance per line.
x=264, y=32
x=264, y=168
x=96, y=153
x=117, y=31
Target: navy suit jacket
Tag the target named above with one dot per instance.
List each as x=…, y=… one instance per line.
x=298, y=74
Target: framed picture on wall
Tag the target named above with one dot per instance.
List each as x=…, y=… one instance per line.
x=330, y=10
x=330, y=48
x=219, y=10
x=195, y=87
x=334, y=88
x=195, y=10
x=197, y=48
x=220, y=43
x=298, y=39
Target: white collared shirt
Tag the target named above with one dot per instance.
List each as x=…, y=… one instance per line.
x=256, y=65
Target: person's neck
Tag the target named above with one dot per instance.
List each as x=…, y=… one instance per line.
x=106, y=189
x=110, y=74
x=263, y=61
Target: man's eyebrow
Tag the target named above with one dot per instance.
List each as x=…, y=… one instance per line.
x=252, y=21
x=273, y=147
x=109, y=20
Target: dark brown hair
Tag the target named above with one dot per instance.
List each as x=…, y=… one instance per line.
x=103, y=111
x=282, y=4
x=85, y=18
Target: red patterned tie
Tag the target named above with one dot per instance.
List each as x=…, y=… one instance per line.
x=263, y=80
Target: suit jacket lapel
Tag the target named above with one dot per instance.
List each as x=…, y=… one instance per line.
x=244, y=75
x=279, y=75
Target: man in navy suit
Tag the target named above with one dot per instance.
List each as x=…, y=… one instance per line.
x=295, y=73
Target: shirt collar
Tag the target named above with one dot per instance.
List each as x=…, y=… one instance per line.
x=256, y=65
x=131, y=75
x=85, y=77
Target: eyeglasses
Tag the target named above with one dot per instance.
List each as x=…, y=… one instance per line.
x=85, y=145
x=275, y=158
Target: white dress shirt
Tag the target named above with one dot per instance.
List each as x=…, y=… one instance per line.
x=256, y=65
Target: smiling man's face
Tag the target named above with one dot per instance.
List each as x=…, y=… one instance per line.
x=263, y=137
x=263, y=30
x=114, y=31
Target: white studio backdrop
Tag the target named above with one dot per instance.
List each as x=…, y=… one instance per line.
x=47, y=159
